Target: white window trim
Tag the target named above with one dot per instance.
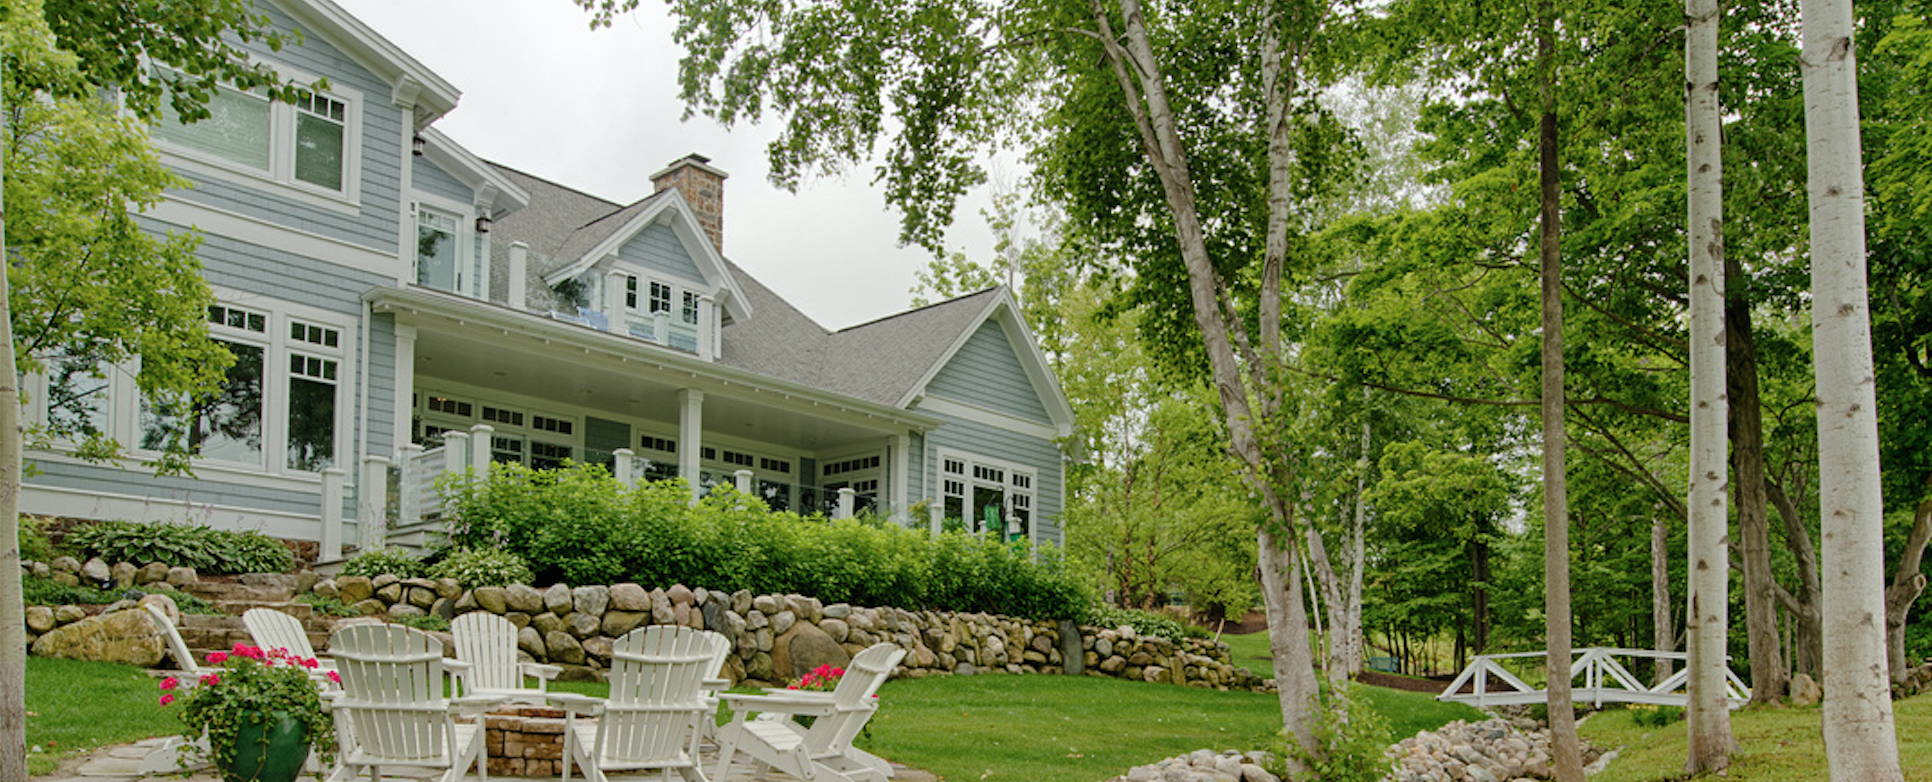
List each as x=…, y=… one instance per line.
x=1010, y=468
x=679, y=289
x=280, y=175
x=277, y=346
x=465, y=239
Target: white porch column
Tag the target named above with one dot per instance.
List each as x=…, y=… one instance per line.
x=690, y=426
x=623, y=468
x=901, y=499
x=456, y=451
x=480, y=449
x=405, y=370
x=847, y=498
x=614, y=300
x=518, y=291
x=743, y=480
x=332, y=480
x=661, y=327
x=372, y=503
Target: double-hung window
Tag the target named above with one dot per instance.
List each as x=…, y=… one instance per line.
x=308, y=145
x=438, y=263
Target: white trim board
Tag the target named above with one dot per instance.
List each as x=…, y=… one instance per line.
x=251, y=230
x=981, y=415
x=90, y=504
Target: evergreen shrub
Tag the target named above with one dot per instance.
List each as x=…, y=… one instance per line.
x=1143, y=622
x=577, y=526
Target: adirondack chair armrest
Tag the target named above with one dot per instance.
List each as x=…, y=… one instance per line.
x=475, y=704
x=542, y=671
x=716, y=684
x=574, y=703
x=795, y=703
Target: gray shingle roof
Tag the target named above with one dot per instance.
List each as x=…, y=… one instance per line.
x=879, y=361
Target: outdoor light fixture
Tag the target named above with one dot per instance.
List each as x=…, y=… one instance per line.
x=483, y=224
x=417, y=145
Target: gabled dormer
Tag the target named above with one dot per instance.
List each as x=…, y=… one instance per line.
x=454, y=199
x=653, y=270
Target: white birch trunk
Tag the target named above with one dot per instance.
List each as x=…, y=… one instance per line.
x=1288, y=633
x=1707, y=614
x=13, y=611
x=1861, y=741
x=1663, y=636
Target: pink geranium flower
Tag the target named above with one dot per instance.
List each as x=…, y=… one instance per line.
x=170, y=683
x=335, y=677
x=167, y=698
x=217, y=658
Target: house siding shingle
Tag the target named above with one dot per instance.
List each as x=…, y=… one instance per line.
x=985, y=372
x=657, y=249
x=431, y=179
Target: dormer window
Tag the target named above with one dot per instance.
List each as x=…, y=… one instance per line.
x=660, y=297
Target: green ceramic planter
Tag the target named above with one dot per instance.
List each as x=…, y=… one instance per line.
x=272, y=748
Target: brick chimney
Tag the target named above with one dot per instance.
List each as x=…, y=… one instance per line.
x=703, y=189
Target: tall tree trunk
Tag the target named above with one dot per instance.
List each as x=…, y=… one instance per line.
x=1479, y=592
x=13, y=610
x=1288, y=632
x=1358, y=558
x=1707, y=612
x=1768, y=670
x=1663, y=633
x=1861, y=741
x=1564, y=748
x=1908, y=582
x=1330, y=589
x=1803, y=606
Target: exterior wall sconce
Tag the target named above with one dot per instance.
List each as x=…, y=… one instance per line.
x=483, y=224
x=417, y=145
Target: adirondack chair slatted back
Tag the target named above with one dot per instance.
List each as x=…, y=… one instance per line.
x=273, y=629
x=392, y=682
x=657, y=693
x=176, y=647
x=853, y=697
x=489, y=644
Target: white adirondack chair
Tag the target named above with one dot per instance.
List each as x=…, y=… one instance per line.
x=660, y=693
x=487, y=643
x=273, y=629
x=177, y=648
x=824, y=749
x=391, y=710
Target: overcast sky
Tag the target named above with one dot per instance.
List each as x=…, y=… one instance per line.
x=598, y=111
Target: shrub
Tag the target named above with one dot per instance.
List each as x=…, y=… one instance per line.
x=1143, y=622
x=1353, y=737
x=35, y=546
x=183, y=545
x=48, y=592
x=474, y=568
x=578, y=526
x=327, y=606
x=427, y=623
x=388, y=559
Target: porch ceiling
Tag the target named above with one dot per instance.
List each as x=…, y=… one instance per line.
x=637, y=381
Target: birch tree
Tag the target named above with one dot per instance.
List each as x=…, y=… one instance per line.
x=1861, y=741
x=1707, y=614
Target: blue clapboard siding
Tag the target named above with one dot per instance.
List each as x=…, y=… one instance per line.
x=657, y=249
x=916, y=474
x=382, y=123
x=278, y=274
x=986, y=373
x=1042, y=455
x=433, y=180
x=207, y=489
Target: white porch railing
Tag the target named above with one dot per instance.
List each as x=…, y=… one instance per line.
x=1604, y=680
x=420, y=469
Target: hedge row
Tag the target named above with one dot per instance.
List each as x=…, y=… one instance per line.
x=577, y=526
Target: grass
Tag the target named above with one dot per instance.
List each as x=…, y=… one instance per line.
x=75, y=706
x=1078, y=729
x=1774, y=745
x=1250, y=651
x=1048, y=728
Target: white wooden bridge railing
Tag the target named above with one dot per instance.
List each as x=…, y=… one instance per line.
x=1603, y=680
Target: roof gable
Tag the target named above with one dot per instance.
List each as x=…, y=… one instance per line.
x=604, y=237
x=410, y=82
x=1002, y=310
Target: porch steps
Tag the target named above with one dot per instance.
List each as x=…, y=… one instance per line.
x=206, y=633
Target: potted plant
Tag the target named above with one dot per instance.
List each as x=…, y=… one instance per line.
x=261, y=714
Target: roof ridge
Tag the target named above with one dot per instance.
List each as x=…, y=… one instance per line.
x=559, y=185
x=916, y=310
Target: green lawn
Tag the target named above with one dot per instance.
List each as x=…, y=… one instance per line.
x=1079, y=729
x=74, y=706
x=1774, y=745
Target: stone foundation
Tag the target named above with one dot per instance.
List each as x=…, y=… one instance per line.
x=524, y=742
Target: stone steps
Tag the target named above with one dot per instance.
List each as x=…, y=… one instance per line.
x=206, y=633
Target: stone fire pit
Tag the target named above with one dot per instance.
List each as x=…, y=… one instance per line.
x=524, y=742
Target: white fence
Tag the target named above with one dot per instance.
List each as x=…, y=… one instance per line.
x=1603, y=680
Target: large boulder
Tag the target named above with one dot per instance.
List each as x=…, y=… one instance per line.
x=122, y=636
x=804, y=648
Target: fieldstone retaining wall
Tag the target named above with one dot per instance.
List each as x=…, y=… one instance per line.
x=776, y=638
x=1494, y=750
